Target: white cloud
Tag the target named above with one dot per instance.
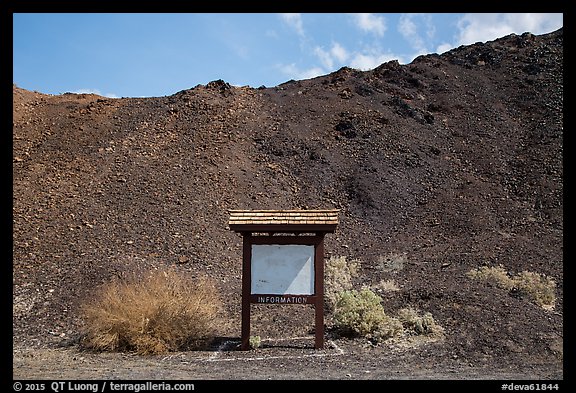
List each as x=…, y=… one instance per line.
x=324, y=56
x=337, y=53
x=444, y=47
x=406, y=26
x=365, y=62
x=370, y=23
x=409, y=29
x=336, y=57
x=294, y=21
x=487, y=27
x=293, y=72
x=94, y=91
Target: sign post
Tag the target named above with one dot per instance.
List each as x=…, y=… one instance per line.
x=286, y=268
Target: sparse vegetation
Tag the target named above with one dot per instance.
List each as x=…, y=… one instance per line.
x=160, y=312
x=471, y=175
x=387, y=286
x=339, y=275
x=360, y=313
x=255, y=342
x=538, y=287
x=541, y=289
x=416, y=324
x=496, y=274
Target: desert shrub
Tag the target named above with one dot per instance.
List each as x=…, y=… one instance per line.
x=416, y=324
x=160, y=312
x=539, y=288
x=338, y=276
x=360, y=314
x=495, y=274
x=387, y=286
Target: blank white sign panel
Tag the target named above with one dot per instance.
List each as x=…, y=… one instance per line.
x=282, y=269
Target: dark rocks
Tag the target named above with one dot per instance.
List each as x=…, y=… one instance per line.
x=436, y=159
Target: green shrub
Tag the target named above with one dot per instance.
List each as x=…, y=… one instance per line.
x=163, y=311
x=339, y=274
x=360, y=314
x=255, y=342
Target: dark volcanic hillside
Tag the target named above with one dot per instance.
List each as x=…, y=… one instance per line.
x=454, y=160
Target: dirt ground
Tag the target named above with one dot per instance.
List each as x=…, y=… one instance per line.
x=282, y=359
x=444, y=165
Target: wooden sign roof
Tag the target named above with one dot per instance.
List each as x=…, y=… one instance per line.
x=283, y=220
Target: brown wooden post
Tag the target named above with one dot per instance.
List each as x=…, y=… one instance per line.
x=319, y=292
x=246, y=284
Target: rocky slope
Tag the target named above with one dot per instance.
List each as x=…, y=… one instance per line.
x=448, y=163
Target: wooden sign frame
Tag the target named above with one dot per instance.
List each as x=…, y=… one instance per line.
x=308, y=228
x=317, y=298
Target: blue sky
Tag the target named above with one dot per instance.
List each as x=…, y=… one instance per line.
x=155, y=54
